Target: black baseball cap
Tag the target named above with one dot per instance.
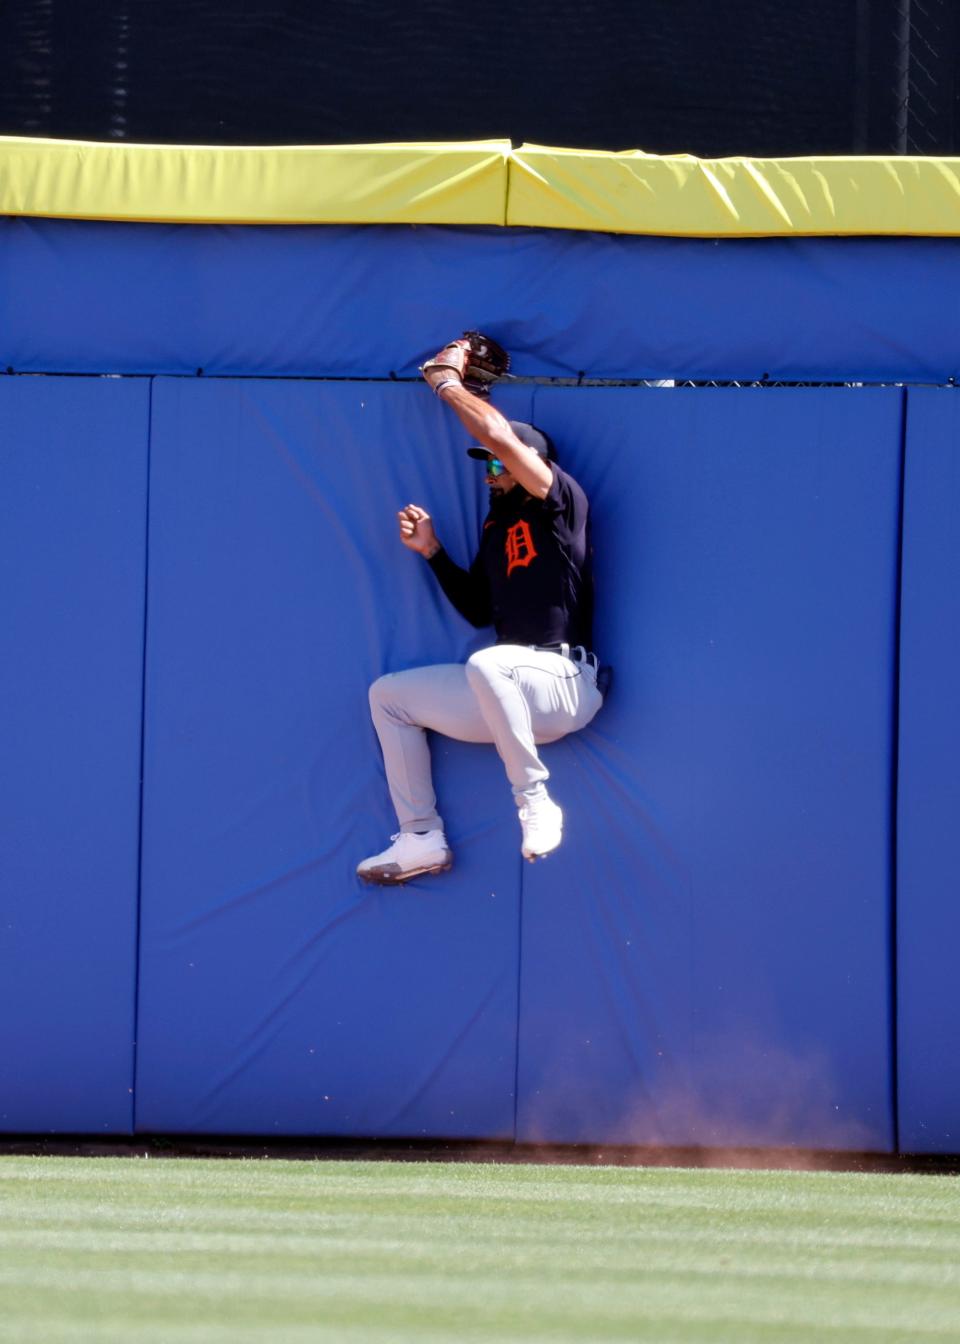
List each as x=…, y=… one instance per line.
x=534, y=438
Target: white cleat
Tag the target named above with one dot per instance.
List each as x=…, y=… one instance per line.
x=410, y=855
x=542, y=823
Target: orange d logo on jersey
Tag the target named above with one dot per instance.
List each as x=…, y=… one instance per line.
x=519, y=547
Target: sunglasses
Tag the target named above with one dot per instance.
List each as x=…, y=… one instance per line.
x=495, y=467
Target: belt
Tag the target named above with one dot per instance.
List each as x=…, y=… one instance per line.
x=602, y=675
x=576, y=652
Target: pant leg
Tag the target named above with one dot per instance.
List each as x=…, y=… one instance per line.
x=528, y=696
x=403, y=705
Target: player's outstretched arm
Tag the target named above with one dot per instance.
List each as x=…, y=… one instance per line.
x=489, y=427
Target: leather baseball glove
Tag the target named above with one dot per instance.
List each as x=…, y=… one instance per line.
x=478, y=360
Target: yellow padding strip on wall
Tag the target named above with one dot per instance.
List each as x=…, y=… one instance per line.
x=745, y=198
x=482, y=182
x=290, y=184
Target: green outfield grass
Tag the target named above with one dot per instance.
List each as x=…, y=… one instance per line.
x=214, y=1250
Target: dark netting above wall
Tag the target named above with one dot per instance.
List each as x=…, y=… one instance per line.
x=755, y=77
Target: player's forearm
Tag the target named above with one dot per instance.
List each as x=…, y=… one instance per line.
x=479, y=418
x=492, y=429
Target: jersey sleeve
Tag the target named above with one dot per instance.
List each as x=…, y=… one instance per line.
x=565, y=498
x=466, y=590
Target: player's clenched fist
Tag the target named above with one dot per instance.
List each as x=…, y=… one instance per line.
x=416, y=531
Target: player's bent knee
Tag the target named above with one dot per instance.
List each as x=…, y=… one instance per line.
x=484, y=665
x=389, y=699
x=379, y=692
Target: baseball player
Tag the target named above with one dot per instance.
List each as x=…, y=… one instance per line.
x=531, y=580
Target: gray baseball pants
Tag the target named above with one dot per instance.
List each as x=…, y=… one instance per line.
x=516, y=697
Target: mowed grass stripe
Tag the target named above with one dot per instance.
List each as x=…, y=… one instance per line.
x=188, y=1250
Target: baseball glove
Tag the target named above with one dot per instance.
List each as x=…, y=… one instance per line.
x=478, y=359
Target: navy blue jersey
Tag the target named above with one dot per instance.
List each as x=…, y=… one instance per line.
x=532, y=578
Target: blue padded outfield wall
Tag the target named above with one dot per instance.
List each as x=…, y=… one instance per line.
x=746, y=936
x=928, y=909
x=737, y=785
x=277, y=993
x=86, y=297
x=720, y=972
x=73, y=491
